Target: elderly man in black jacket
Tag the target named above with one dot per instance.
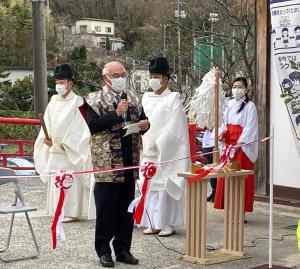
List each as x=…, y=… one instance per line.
x=107, y=113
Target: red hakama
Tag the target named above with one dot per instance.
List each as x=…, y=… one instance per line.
x=232, y=135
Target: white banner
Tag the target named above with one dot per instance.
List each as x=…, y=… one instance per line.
x=285, y=19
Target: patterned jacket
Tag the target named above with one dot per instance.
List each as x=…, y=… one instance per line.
x=108, y=144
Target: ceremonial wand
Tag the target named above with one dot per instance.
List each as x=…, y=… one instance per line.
x=44, y=126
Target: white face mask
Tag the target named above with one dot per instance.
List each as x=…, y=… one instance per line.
x=238, y=93
x=118, y=84
x=154, y=84
x=61, y=89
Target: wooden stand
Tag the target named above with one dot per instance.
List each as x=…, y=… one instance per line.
x=234, y=215
x=196, y=230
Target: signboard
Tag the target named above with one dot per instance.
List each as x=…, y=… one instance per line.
x=285, y=19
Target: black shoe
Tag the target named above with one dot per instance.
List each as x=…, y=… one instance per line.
x=211, y=198
x=126, y=257
x=106, y=260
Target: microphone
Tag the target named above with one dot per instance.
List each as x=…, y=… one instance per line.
x=124, y=98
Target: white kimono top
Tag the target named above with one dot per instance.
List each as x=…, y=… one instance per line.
x=66, y=126
x=166, y=139
x=248, y=120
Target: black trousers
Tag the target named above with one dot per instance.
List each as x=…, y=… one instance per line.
x=209, y=160
x=112, y=219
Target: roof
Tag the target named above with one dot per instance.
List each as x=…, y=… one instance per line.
x=94, y=19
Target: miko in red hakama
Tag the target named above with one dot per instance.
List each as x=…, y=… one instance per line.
x=231, y=136
x=240, y=127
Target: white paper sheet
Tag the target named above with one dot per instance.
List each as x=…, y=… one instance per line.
x=132, y=128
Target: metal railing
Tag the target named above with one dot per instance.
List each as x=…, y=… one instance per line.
x=20, y=143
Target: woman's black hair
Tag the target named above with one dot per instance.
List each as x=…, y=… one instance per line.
x=244, y=80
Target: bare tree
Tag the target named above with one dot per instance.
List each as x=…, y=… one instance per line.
x=141, y=24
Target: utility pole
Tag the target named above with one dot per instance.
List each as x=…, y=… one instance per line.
x=193, y=67
x=39, y=56
x=164, y=37
x=179, y=50
x=63, y=40
x=179, y=14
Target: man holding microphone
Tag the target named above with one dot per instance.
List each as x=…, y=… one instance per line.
x=107, y=113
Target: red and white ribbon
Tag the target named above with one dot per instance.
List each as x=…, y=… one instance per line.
x=63, y=181
x=228, y=154
x=148, y=170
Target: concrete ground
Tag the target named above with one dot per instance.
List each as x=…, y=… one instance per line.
x=78, y=250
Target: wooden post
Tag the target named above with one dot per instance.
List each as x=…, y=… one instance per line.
x=216, y=72
x=262, y=93
x=196, y=220
x=234, y=215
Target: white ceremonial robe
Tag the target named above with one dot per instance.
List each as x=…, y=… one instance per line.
x=248, y=120
x=67, y=127
x=166, y=139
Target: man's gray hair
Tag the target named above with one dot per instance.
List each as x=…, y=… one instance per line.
x=105, y=70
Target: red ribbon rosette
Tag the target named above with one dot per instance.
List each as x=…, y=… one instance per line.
x=148, y=171
x=63, y=181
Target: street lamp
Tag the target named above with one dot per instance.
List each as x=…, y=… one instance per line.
x=213, y=17
x=180, y=14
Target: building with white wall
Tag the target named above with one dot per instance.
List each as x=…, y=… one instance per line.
x=93, y=26
x=94, y=34
x=14, y=73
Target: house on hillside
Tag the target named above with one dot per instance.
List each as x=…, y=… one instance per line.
x=92, y=33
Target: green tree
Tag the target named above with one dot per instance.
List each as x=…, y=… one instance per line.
x=19, y=96
x=16, y=34
x=7, y=34
x=23, y=48
x=86, y=71
x=87, y=76
x=77, y=53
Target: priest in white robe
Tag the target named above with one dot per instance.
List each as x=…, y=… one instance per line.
x=68, y=148
x=167, y=139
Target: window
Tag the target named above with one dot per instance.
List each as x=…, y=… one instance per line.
x=108, y=29
x=83, y=29
x=98, y=28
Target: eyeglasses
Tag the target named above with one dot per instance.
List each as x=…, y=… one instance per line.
x=116, y=75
